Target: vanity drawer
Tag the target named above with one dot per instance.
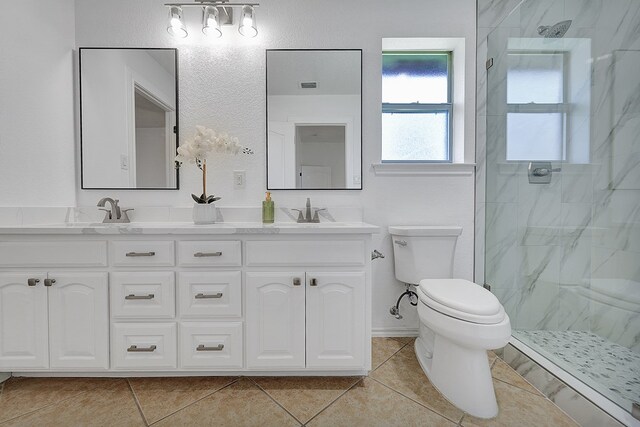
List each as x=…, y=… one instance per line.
x=144, y=346
x=142, y=295
x=53, y=254
x=210, y=294
x=206, y=253
x=305, y=252
x=211, y=345
x=131, y=253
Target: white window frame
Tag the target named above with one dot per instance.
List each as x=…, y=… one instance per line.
x=460, y=74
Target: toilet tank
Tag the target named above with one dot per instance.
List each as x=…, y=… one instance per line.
x=423, y=251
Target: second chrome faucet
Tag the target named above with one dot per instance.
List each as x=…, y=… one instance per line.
x=308, y=217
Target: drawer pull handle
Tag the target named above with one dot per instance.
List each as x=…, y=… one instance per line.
x=133, y=296
x=206, y=296
x=202, y=347
x=33, y=282
x=207, y=254
x=313, y=282
x=136, y=349
x=297, y=281
x=49, y=282
x=140, y=253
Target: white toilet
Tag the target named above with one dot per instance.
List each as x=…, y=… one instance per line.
x=459, y=320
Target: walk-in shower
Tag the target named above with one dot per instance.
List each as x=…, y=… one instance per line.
x=563, y=254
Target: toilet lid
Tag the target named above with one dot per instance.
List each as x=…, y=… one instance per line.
x=461, y=299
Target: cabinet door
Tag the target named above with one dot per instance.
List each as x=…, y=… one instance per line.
x=23, y=322
x=79, y=320
x=335, y=320
x=275, y=320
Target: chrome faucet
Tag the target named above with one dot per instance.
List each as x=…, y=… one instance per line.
x=307, y=217
x=114, y=213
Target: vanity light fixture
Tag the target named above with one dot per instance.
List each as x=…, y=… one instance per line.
x=214, y=15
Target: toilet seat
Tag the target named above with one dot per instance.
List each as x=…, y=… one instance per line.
x=462, y=300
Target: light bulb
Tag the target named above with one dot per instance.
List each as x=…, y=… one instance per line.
x=247, y=25
x=176, y=25
x=211, y=21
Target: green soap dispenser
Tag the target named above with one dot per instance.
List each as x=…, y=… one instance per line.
x=268, y=212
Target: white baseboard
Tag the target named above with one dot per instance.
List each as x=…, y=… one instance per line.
x=4, y=376
x=394, y=332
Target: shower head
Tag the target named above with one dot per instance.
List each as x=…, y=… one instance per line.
x=556, y=31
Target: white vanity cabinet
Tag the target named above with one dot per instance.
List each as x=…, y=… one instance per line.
x=56, y=320
x=198, y=300
x=305, y=320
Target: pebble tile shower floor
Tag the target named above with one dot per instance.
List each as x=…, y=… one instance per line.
x=396, y=393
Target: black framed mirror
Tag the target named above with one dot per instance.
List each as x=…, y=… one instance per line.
x=314, y=119
x=128, y=118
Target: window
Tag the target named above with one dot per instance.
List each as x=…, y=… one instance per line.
x=416, y=106
x=536, y=109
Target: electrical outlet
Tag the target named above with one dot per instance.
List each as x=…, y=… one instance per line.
x=239, y=178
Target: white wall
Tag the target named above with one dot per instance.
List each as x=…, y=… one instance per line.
x=222, y=85
x=36, y=104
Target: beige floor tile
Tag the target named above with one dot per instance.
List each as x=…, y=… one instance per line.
x=104, y=406
x=403, y=373
x=492, y=357
x=240, y=404
x=503, y=372
x=521, y=408
x=382, y=349
x=23, y=395
x=304, y=397
x=403, y=340
x=372, y=404
x=159, y=397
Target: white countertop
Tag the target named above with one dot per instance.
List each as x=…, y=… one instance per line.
x=190, y=228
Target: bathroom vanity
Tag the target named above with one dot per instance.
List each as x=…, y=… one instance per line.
x=180, y=299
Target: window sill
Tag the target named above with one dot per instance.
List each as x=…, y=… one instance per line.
x=416, y=169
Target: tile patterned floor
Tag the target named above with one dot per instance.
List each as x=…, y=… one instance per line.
x=395, y=394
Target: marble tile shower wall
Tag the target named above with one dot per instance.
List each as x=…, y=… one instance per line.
x=546, y=242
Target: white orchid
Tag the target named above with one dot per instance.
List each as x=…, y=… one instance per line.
x=199, y=147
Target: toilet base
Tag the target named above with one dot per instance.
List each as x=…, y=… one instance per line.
x=462, y=375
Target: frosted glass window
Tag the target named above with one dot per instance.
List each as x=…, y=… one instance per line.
x=416, y=107
x=535, y=136
x=415, y=77
x=535, y=78
x=415, y=137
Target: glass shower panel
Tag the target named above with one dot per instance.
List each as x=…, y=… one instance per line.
x=562, y=257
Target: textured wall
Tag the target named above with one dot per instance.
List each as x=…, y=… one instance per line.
x=36, y=104
x=222, y=86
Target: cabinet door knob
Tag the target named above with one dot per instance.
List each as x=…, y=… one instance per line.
x=202, y=347
x=33, y=282
x=206, y=296
x=136, y=349
x=297, y=281
x=313, y=282
x=49, y=282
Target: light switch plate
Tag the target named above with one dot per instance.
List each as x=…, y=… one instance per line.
x=239, y=178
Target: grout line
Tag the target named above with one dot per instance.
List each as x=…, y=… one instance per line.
x=387, y=359
x=275, y=401
x=135, y=399
x=196, y=401
x=334, y=400
x=43, y=407
x=421, y=404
